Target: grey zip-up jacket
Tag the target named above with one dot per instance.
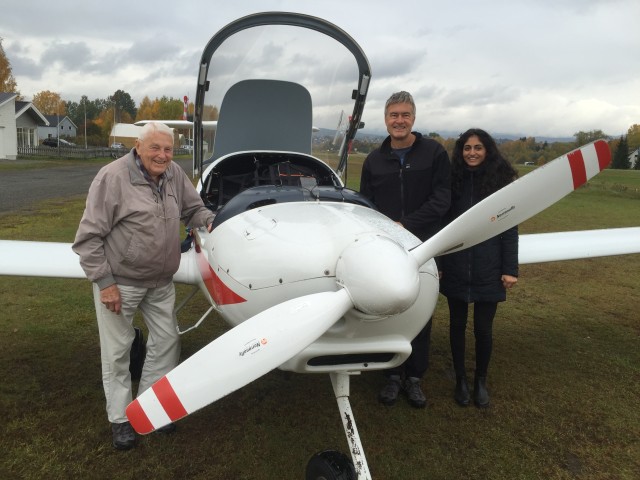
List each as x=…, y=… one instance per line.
x=129, y=233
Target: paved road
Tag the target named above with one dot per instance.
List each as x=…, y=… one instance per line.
x=23, y=188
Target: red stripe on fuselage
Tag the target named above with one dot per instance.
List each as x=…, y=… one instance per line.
x=220, y=293
x=168, y=399
x=578, y=169
x=138, y=419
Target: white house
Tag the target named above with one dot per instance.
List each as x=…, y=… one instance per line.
x=59, y=126
x=19, y=123
x=634, y=157
x=8, y=140
x=28, y=123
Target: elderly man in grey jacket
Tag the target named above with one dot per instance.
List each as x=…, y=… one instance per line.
x=129, y=247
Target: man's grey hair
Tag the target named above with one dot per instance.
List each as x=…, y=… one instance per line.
x=400, y=97
x=153, y=127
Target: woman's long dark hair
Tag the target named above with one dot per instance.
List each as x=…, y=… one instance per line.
x=498, y=172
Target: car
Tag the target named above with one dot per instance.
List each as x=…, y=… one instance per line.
x=529, y=163
x=117, y=145
x=53, y=142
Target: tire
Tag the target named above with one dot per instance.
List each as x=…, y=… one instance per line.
x=330, y=465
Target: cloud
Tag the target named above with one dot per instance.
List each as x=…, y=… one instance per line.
x=553, y=67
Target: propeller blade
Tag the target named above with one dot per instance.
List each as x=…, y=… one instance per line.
x=518, y=201
x=244, y=353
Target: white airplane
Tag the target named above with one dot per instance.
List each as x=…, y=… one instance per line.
x=308, y=274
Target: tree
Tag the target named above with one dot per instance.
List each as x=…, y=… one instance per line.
x=76, y=110
x=210, y=112
x=7, y=82
x=582, y=138
x=123, y=104
x=170, y=108
x=633, y=137
x=621, y=155
x=148, y=110
x=49, y=103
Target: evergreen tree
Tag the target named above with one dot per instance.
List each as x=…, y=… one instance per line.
x=621, y=155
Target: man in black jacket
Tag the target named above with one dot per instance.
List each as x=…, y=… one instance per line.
x=409, y=179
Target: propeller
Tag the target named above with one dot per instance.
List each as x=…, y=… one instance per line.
x=241, y=355
x=518, y=201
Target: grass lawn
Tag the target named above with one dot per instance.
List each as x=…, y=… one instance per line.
x=564, y=379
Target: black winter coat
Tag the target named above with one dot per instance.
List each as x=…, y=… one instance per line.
x=474, y=274
x=417, y=193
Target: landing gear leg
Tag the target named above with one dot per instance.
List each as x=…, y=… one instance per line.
x=340, y=382
x=332, y=465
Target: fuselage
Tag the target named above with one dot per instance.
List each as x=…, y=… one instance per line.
x=267, y=255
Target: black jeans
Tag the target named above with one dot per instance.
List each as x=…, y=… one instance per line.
x=417, y=362
x=483, y=315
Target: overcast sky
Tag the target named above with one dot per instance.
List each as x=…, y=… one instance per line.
x=524, y=67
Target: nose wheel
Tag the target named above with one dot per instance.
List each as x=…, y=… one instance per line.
x=330, y=465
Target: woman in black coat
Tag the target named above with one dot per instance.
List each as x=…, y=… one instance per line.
x=480, y=274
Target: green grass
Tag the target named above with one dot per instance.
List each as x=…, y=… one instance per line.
x=564, y=379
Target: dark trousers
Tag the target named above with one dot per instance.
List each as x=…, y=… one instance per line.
x=483, y=315
x=418, y=361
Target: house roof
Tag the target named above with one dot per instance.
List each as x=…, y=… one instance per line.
x=28, y=107
x=55, y=119
x=6, y=97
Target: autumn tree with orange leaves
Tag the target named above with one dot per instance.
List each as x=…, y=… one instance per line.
x=7, y=82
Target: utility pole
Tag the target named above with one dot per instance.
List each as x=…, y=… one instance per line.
x=84, y=101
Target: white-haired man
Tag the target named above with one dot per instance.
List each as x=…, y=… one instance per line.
x=129, y=248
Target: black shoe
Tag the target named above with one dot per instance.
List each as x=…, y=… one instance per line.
x=167, y=429
x=414, y=393
x=389, y=394
x=461, y=395
x=124, y=438
x=480, y=393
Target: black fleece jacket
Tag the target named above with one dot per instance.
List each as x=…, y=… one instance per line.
x=475, y=274
x=417, y=193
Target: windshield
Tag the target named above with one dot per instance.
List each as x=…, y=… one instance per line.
x=279, y=81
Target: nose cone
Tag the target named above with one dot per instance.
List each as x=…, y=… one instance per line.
x=379, y=274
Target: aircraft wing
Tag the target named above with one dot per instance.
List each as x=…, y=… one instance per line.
x=39, y=259
x=551, y=247
x=51, y=259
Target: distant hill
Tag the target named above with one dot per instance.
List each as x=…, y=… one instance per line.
x=372, y=135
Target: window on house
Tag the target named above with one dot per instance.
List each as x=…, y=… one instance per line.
x=26, y=137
